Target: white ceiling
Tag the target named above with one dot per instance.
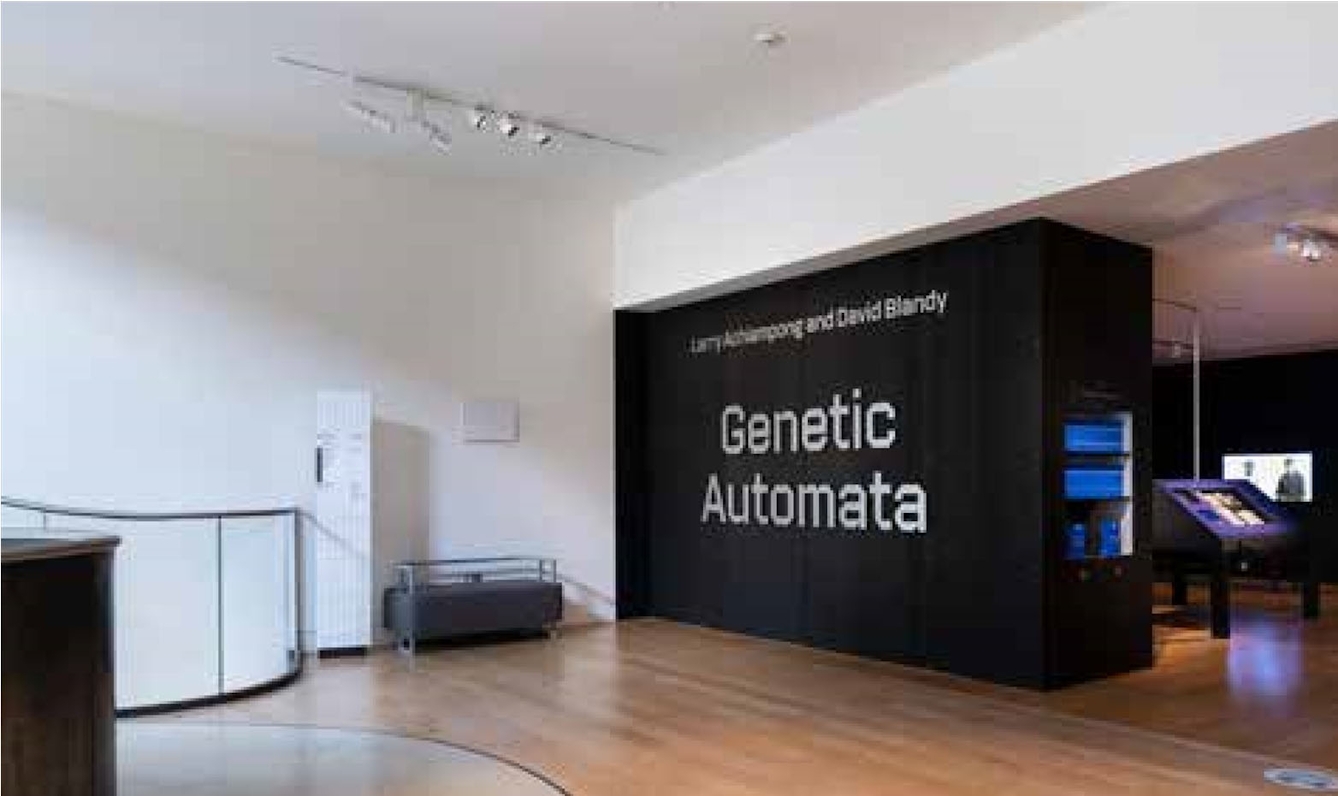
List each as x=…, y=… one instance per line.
x=1252, y=299
x=1211, y=222
x=683, y=77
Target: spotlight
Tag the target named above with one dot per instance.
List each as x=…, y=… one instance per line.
x=376, y=118
x=507, y=125
x=1311, y=251
x=479, y=118
x=1308, y=243
x=437, y=136
x=540, y=135
x=479, y=113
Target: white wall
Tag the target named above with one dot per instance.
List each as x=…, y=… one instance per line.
x=1126, y=87
x=171, y=301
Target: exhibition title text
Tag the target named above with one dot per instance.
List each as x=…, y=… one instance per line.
x=847, y=424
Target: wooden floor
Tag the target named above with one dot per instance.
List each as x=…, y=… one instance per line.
x=1271, y=689
x=652, y=707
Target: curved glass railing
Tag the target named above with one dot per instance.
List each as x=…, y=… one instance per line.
x=207, y=604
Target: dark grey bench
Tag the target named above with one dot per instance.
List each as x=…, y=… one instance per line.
x=460, y=597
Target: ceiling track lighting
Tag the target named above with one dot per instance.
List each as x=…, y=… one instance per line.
x=507, y=125
x=1311, y=250
x=540, y=135
x=480, y=117
x=414, y=111
x=416, y=114
x=437, y=136
x=373, y=116
x=1308, y=243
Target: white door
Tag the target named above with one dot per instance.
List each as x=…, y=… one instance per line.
x=342, y=540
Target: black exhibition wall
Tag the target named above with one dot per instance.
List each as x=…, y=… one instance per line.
x=1263, y=404
x=869, y=459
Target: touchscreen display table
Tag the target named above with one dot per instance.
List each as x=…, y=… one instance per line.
x=1233, y=511
x=1206, y=522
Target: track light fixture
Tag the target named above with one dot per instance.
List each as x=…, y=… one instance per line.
x=437, y=136
x=417, y=118
x=375, y=117
x=1311, y=251
x=1308, y=243
x=507, y=125
x=478, y=116
x=540, y=135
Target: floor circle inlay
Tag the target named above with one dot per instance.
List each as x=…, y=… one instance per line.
x=189, y=759
x=1302, y=779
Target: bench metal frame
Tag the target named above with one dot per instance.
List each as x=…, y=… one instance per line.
x=445, y=571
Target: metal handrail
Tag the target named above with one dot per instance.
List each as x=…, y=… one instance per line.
x=296, y=609
x=149, y=516
x=487, y=560
x=474, y=569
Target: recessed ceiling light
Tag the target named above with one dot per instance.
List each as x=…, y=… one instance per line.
x=768, y=39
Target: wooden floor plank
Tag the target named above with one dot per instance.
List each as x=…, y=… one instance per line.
x=653, y=707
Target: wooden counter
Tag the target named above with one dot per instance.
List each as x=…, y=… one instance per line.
x=57, y=659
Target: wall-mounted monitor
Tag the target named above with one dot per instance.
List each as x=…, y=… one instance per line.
x=1285, y=477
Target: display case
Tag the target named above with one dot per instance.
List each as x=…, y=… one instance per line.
x=1204, y=516
x=1098, y=486
x=1222, y=527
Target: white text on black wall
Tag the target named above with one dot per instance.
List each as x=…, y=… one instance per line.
x=845, y=424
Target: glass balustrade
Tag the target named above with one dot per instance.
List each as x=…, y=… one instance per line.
x=206, y=604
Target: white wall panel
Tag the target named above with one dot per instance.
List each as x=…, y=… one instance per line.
x=173, y=300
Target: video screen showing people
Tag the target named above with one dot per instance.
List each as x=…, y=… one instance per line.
x=1285, y=477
